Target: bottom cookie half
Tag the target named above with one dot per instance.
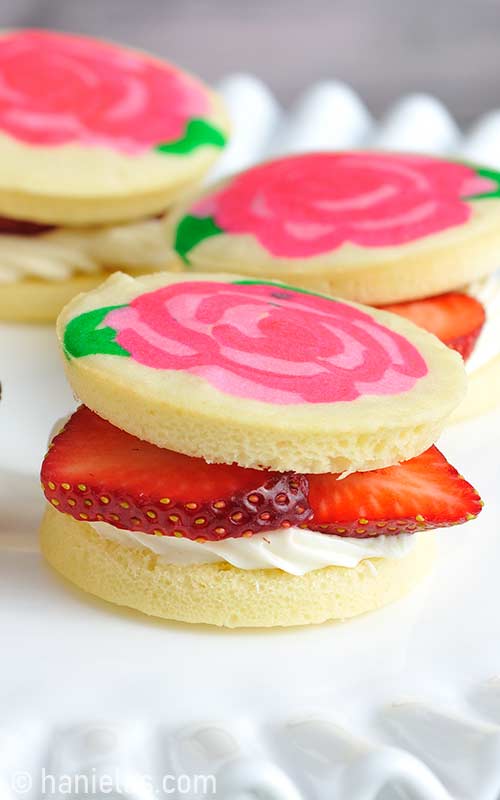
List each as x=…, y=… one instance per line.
x=220, y=594
x=36, y=300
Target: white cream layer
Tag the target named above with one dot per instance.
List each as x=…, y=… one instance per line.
x=487, y=291
x=61, y=253
x=293, y=550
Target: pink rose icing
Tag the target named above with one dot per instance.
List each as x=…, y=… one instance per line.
x=267, y=342
x=59, y=88
x=305, y=205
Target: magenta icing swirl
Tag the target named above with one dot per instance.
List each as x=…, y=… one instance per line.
x=267, y=342
x=306, y=205
x=59, y=88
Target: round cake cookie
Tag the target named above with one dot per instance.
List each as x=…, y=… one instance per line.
x=372, y=227
x=220, y=594
x=91, y=132
x=258, y=373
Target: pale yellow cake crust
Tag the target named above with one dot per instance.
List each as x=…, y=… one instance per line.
x=185, y=413
x=220, y=594
x=483, y=392
x=432, y=265
x=33, y=300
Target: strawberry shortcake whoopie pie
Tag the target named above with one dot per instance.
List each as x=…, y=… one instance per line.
x=417, y=235
x=96, y=141
x=248, y=453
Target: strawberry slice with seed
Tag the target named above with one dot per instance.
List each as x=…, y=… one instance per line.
x=96, y=472
x=422, y=493
x=455, y=318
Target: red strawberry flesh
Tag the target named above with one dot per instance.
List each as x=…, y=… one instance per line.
x=424, y=492
x=455, y=318
x=97, y=472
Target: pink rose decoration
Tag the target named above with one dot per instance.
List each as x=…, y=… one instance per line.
x=310, y=204
x=266, y=342
x=58, y=88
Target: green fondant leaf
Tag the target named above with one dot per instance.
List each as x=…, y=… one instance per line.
x=83, y=337
x=191, y=231
x=256, y=282
x=491, y=175
x=199, y=133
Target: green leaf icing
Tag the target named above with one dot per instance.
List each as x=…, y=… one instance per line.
x=191, y=231
x=199, y=133
x=84, y=337
x=491, y=175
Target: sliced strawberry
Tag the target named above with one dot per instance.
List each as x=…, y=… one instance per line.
x=23, y=227
x=457, y=319
x=424, y=492
x=96, y=472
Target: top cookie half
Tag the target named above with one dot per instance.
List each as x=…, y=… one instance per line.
x=367, y=226
x=258, y=372
x=91, y=132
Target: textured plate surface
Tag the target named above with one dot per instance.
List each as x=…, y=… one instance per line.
x=405, y=702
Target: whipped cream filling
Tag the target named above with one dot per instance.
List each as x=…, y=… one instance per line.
x=294, y=550
x=60, y=253
x=487, y=291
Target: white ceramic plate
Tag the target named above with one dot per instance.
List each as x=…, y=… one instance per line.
x=404, y=701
